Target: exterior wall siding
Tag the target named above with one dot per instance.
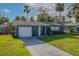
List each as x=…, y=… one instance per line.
x=61, y=29
x=42, y=30
x=35, y=31
x=17, y=31
x=39, y=30
x=58, y=29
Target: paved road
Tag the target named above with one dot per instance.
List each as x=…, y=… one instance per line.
x=38, y=48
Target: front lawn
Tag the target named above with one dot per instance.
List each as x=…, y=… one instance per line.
x=66, y=42
x=11, y=47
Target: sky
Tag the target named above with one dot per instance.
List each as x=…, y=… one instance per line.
x=16, y=9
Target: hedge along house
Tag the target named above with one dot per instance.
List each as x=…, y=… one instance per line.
x=29, y=29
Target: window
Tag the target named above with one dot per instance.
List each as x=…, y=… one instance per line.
x=55, y=28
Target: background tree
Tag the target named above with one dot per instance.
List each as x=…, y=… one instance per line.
x=75, y=9
x=4, y=20
x=7, y=19
x=60, y=8
x=56, y=19
x=17, y=18
x=23, y=18
x=32, y=19
x=42, y=15
x=26, y=10
x=77, y=17
x=50, y=19
x=1, y=20
x=63, y=19
x=69, y=14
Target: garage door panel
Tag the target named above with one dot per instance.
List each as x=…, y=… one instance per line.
x=25, y=31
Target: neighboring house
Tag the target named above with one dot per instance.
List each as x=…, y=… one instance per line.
x=3, y=29
x=63, y=28
x=71, y=27
x=29, y=29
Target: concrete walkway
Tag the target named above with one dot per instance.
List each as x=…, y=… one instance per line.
x=38, y=48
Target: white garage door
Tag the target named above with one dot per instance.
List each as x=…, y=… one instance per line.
x=25, y=31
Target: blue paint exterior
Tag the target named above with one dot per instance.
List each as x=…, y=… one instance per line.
x=34, y=30
x=42, y=30
x=57, y=31
x=17, y=32
x=36, y=33
x=61, y=29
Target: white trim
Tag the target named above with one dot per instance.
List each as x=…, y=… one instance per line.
x=45, y=30
x=39, y=30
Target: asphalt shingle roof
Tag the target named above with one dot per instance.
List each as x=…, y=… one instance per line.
x=28, y=23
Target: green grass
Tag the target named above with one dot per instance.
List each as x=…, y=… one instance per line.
x=11, y=47
x=66, y=42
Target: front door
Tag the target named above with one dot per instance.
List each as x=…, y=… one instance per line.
x=43, y=30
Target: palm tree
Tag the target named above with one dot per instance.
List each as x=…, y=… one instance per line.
x=26, y=10
x=60, y=8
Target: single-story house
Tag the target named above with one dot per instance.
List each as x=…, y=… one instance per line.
x=3, y=29
x=28, y=29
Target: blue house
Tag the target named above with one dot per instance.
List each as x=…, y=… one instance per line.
x=28, y=29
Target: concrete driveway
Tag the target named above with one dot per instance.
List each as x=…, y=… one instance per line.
x=38, y=48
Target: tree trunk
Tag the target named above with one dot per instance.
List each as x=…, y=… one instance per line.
x=27, y=17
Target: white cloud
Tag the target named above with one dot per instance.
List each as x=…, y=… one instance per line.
x=36, y=6
x=49, y=6
x=7, y=11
